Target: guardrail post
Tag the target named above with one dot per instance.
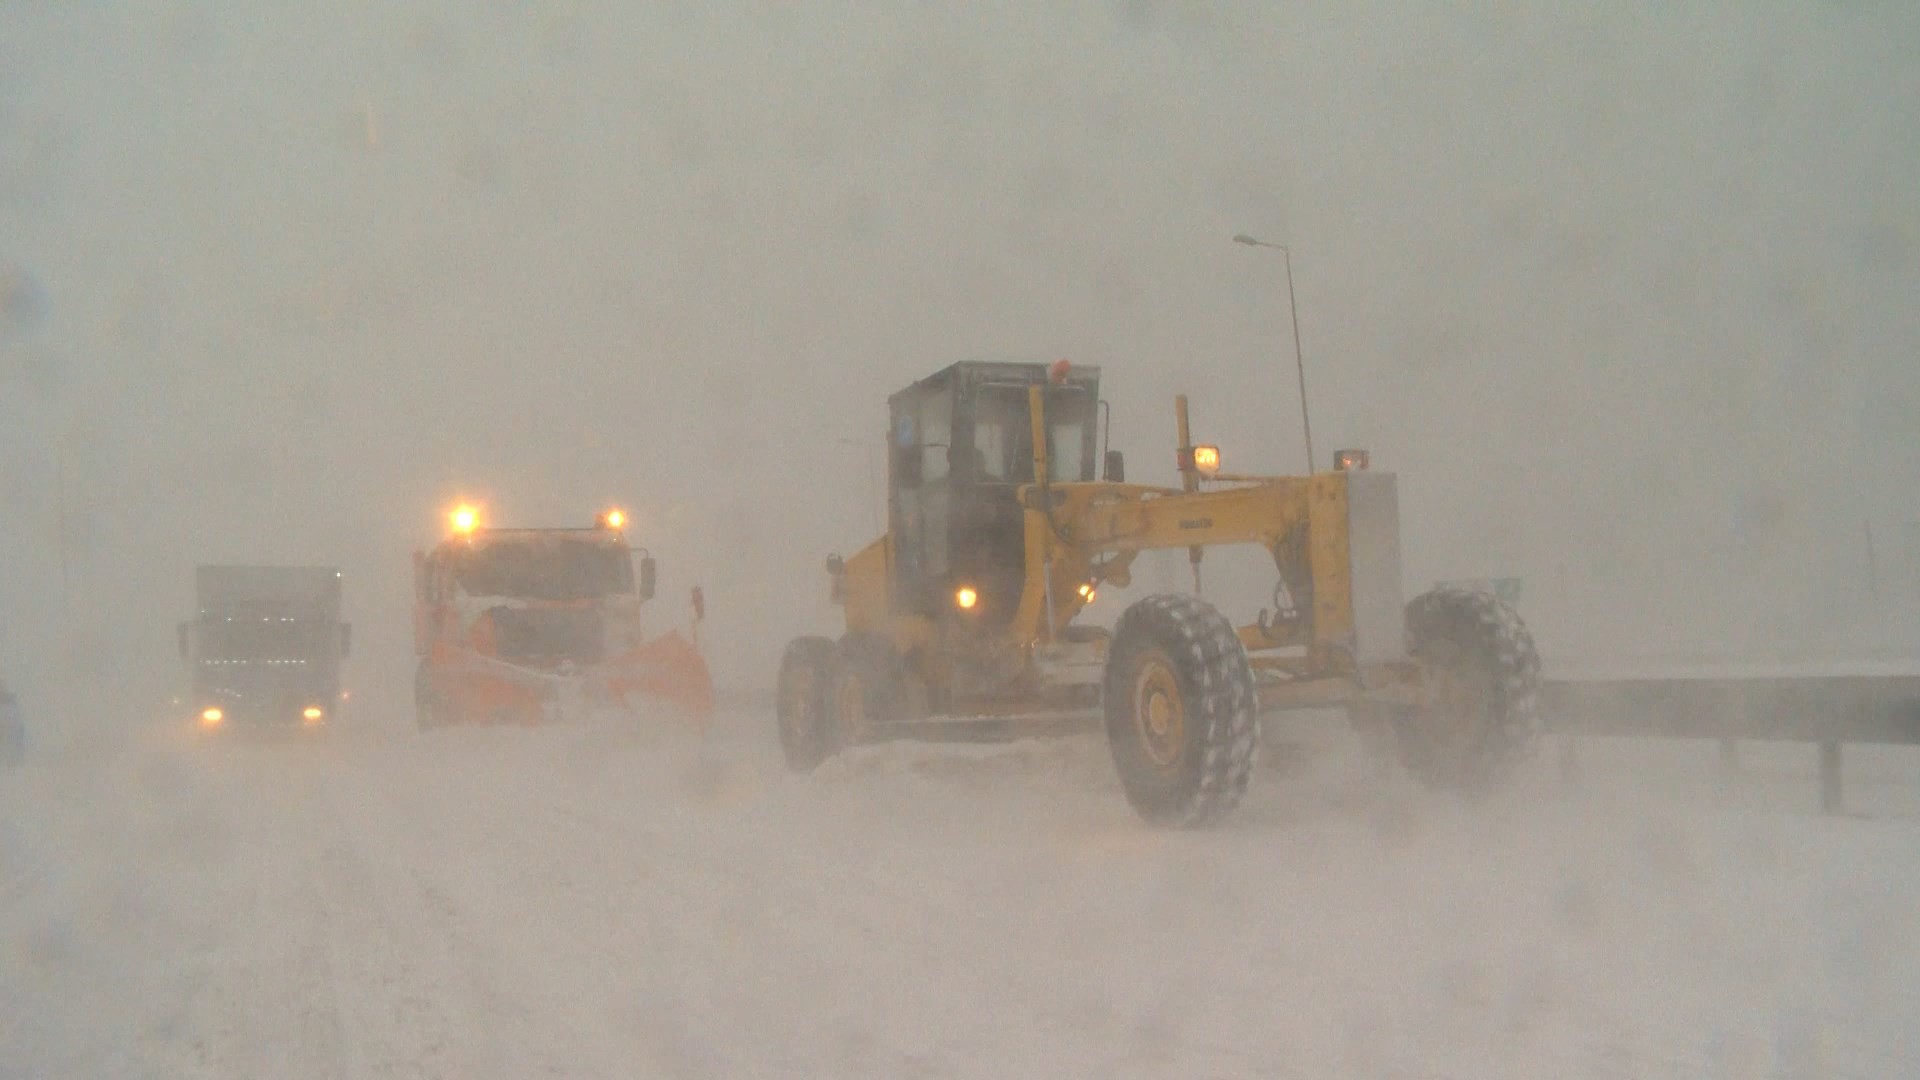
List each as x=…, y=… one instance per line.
x=1830, y=794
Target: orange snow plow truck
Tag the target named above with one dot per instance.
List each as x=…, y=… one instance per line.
x=531, y=626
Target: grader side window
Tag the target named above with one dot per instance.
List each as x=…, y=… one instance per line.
x=936, y=435
x=922, y=440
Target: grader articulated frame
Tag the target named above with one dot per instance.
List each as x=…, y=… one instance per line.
x=961, y=619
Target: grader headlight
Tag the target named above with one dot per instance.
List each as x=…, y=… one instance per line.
x=614, y=518
x=465, y=518
x=965, y=598
x=211, y=717
x=1350, y=460
x=1206, y=460
x=1088, y=592
x=311, y=714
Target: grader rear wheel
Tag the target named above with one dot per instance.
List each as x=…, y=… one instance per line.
x=1179, y=710
x=1482, y=674
x=866, y=688
x=804, y=703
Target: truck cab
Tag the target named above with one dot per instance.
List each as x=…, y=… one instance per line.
x=265, y=646
x=519, y=625
x=542, y=598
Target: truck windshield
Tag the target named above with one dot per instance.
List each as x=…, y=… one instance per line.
x=253, y=638
x=545, y=568
x=1003, y=434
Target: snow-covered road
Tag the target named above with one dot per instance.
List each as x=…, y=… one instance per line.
x=591, y=902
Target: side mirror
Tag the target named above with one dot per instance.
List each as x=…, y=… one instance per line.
x=346, y=640
x=699, y=604
x=183, y=634
x=1116, y=467
x=836, y=579
x=648, y=577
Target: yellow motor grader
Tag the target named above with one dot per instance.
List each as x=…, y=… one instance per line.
x=960, y=621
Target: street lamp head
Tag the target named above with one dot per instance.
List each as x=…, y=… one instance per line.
x=1243, y=238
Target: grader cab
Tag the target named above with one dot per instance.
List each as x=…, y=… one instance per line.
x=961, y=619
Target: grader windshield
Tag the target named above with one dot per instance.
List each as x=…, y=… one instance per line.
x=962, y=442
x=1003, y=434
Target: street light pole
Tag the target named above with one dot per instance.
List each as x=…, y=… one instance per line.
x=1299, y=361
x=62, y=526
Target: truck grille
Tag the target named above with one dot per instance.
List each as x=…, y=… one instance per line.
x=549, y=635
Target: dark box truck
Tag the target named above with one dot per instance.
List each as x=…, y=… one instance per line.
x=265, y=645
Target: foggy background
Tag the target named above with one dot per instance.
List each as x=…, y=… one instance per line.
x=1625, y=297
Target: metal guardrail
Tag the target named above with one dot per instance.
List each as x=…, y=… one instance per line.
x=1827, y=710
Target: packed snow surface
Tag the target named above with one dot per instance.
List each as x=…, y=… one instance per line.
x=599, y=900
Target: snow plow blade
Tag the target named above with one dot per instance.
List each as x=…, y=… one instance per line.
x=668, y=668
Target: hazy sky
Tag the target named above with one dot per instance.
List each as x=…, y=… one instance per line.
x=1626, y=297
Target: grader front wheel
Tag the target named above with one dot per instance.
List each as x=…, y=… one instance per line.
x=1179, y=710
x=1482, y=678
